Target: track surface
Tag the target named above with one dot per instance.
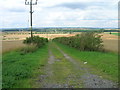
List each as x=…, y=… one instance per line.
x=65, y=72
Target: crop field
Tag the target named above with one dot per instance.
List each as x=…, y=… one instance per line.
x=11, y=45
x=110, y=41
x=62, y=62
x=114, y=33
x=17, y=36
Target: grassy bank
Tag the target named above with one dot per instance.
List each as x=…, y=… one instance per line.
x=106, y=63
x=20, y=70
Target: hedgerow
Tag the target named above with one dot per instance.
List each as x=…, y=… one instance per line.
x=87, y=41
x=38, y=41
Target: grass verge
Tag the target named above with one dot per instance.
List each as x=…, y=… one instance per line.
x=103, y=63
x=19, y=70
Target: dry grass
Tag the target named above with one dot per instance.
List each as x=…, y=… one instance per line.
x=11, y=45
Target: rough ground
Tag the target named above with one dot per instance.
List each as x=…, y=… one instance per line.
x=65, y=72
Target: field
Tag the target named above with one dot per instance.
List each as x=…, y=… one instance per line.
x=59, y=66
x=17, y=36
x=114, y=33
x=110, y=41
x=118, y=34
x=11, y=45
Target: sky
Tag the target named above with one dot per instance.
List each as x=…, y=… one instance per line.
x=60, y=13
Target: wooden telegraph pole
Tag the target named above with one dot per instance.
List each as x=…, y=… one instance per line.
x=31, y=12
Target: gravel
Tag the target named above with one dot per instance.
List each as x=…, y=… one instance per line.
x=94, y=81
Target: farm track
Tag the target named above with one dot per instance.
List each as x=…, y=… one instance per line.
x=65, y=72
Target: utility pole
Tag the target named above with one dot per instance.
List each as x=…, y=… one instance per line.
x=31, y=12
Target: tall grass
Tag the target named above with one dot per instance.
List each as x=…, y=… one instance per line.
x=28, y=49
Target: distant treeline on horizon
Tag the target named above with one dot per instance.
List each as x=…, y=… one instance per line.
x=62, y=30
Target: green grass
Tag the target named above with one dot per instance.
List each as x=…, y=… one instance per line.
x=19, y=70
x=105, y=63
x=55, y=51
x=118, y=34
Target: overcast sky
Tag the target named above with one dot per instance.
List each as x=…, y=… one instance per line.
x=60, y=13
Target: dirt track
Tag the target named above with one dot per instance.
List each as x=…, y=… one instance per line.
x=77, y=77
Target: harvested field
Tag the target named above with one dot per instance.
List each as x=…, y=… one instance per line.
x=111, y=45
x=11, y=45
x=110, y=41
x=109, y=36
x=22, y=37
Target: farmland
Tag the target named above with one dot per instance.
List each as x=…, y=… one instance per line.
x=110, y=41
x=56, y=65
x=7, y=46
x=59, y=44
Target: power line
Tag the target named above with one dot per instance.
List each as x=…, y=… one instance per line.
x=31, y=12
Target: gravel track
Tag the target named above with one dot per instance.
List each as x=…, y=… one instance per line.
x=88, y=80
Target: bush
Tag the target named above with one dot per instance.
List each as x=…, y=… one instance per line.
x=87, y=41
x=38, y=41
x=91, y=41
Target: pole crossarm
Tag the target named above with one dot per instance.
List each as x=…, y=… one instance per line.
x=30, y=2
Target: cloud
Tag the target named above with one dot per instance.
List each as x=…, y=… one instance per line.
x=73, y=5
x=19, y=10
x=87, y=13
x=81, y=5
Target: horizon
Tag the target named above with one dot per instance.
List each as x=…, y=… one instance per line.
x=59, y=27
